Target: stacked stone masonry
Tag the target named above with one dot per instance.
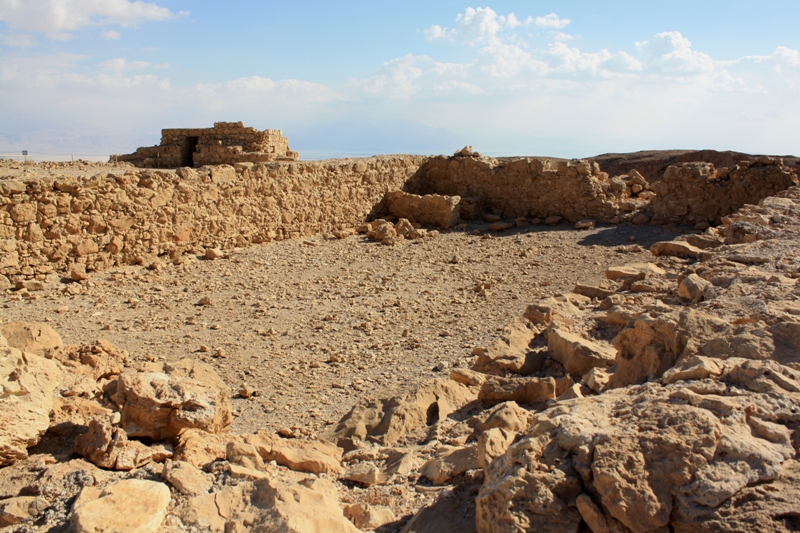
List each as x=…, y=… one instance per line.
x=136, y=216
x=226, y=143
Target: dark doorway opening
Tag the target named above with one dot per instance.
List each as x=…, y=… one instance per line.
x=188, y=147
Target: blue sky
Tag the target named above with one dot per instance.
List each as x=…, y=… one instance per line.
x=567, y=78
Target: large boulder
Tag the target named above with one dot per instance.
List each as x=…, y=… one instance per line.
x=27, y=382
x=388, y=421
x=129, y=506
x=271, y=506
x=160, y=405
x=32, y=337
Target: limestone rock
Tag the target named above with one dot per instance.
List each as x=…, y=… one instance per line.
x=510, y=352
x=296, y=508
x=508, y=416
x=389, y=421
x=492, y=444
x=33, y=337
x=27, y=383
x=577, y=354
x=369, y=517
x=676, y=249
x=557, y=310
x=634, y=271
x=381, y=469
x=187, y=478
x=428, y=210
x=693, y=287
x=108, y=447
x=159, y=405
x=450, y=462
x=21, y=508
x=315, y=456
x=467, y=377
x=199, y=448
x=520, y=390
x=647, y=456
x=246, y=455
x=129, y=506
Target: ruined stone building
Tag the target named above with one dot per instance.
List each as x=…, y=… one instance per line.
x=225, y=143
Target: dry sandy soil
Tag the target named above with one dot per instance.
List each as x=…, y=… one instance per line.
x=309, y=327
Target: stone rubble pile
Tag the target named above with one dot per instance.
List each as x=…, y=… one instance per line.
x=669, y=400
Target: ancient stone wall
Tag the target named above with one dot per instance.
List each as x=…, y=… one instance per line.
x=578, y=189
x=536, y=188
x=134, y=216
x=698, y=192
x=226, y=143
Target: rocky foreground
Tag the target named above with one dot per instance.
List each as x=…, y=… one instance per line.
x=666, y=400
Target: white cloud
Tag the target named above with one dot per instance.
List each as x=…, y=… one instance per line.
x=56, y=18
x=437, y=33
x=551, y=21
x=112, y=35
x=120, y=64
x=18, y=40
x=602, y=63
x=453, y=86
x=671, y=52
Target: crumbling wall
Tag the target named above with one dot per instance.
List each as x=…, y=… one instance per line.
x=531, y=187
x=226, y=143
x=137, y=215
x=699, y=192
x=536, y=188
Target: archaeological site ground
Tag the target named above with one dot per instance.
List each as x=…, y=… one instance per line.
x=213, y=335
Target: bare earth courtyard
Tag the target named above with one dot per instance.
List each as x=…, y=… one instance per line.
x=312, y=326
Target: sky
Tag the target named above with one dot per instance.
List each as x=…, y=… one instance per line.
x=568, y=78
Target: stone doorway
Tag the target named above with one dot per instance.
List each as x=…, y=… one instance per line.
x=188, y=147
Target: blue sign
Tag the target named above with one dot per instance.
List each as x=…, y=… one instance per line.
x=24, y=152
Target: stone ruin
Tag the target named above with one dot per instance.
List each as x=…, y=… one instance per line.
x=226, y=143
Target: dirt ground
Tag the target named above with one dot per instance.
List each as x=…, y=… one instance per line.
x=305, y=329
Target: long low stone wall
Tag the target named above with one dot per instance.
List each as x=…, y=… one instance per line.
x=136, y=215
x=532, y=187
x=133, y=216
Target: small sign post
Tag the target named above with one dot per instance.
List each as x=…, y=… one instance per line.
x=25, y=156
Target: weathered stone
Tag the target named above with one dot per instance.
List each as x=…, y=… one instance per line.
x=449, y=463
x=159, y=405
x=521, y=390
x=577, y=354
x=428, y=210
x=33, y=337
x=108, y=447
x=676, y=249
x=492, y=444
x=315, y=456
x=369, y=517
x=693, y=287
x=389, y=421
x=21, y=508
x=634, y=271
x=27, y=382
x=187, y=478
x=129, y=506
x=510, y=352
